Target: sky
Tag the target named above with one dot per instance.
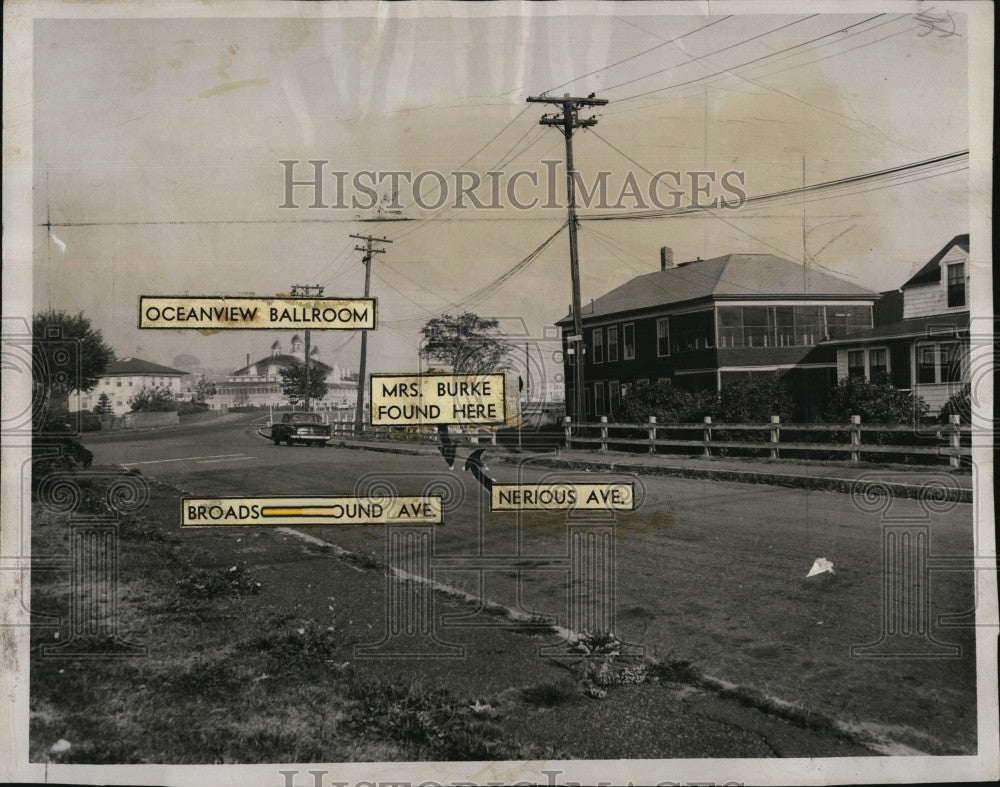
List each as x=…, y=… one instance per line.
x=157, y=145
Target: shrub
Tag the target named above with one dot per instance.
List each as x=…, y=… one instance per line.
x=960, y=404
x=753, y=400
x=668, y=403
x=878, y=403
x=153, y=400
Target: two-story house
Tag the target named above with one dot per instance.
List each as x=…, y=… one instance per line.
x=926, y=351
x=123, y=379
x=704, y=323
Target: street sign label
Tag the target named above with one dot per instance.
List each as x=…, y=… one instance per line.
x=433, y=399
x=562, y=497
x=285, y=511
x=221, y=313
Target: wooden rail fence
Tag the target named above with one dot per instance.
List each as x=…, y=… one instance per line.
x=948, y=436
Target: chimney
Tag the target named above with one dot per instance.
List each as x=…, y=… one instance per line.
x=666, y=257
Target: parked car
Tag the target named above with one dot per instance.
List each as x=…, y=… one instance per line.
x=307, y=428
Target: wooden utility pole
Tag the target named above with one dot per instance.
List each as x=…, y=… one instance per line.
x=567, y=122
x=368, y=249
x=307, y=291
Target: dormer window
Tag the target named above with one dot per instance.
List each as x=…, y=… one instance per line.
x=956, y=284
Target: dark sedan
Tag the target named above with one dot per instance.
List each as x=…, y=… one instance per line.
x=306, y=428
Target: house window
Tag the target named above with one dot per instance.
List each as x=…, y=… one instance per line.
x=789, y=326
x=758, y=327
x=844, y=321
x=598, y=341
x=956, y=284
x=612, y=343
x=693, y=331
x=878, y=364
x=628, y=336
x=856, y=363
x=939, y=362
x=599, y=405
x=663, y=337
x=614, y=396
x=570, y=351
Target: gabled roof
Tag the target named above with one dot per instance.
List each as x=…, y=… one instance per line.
x=931, y=272
x=125, y=367
x=281, y=360
x=731, y=276
x=939, y=326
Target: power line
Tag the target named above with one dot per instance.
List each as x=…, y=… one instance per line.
x=487, y=290
x=696, y=58
x=740, y=65
x=776, y=195
x=708, y=210
x=640, y=54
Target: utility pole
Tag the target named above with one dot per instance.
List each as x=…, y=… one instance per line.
x=306, y=291
x=567, y=122
x=368, y=249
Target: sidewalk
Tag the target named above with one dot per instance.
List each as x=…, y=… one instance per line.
x=914, y=482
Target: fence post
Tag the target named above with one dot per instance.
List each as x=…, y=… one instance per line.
x=652, y=434
x=855, y=437
x=775, y=420
x=707, y=436
x=955, y=438
x=569, y=431
x=493, y=438
x=604, y=433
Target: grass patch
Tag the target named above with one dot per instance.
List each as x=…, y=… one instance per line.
x=432, y=720
x=549, y=694
x=234, y=581
x=676, y=671
x=221, y=676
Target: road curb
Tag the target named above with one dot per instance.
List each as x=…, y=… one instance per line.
x=936, y=492
x=918, y=491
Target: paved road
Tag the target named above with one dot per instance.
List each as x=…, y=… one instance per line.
x=708, y=571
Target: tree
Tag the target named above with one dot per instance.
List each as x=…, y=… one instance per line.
x=293, y=381
x=103, y=406
x=68, y=353
x=468, y=343
x=203, y=390
x=153, y=400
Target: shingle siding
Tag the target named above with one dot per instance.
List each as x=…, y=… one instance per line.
x=924, y=300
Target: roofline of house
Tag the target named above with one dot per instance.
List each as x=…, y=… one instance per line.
x=710, y=300
x=952, y=332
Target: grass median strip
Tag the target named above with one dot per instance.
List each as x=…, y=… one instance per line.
x=217, y=672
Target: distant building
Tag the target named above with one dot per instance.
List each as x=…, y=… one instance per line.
x=926, y=351
x=259, y=383
x=124, y=378
x=704, y=323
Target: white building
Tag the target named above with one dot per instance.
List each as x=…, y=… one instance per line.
x=925, y=352
x=123, y=379
x=259, y=383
